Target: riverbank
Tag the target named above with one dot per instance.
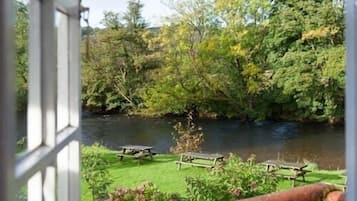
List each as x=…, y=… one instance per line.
x=214, y=116
x=162, y=171
x=318, y=143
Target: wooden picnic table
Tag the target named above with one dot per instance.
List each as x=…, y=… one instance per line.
x=298, y=169
x=136, y=152
x=190, y=157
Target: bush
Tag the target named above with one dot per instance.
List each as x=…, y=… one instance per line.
x=236, y=180
x=200, y=189
x=144, y=192
x=95, y=172
x=187, y=138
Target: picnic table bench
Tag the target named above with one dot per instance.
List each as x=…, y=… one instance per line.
x=136, y=152
x=204, y=159
x=297, y=169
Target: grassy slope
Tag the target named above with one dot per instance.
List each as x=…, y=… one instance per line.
x=164, y=174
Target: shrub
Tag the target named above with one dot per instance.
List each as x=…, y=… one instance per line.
x=199, y=189
x=144, y=192
x=94, y=171
x=187, y=138
x=236, y=180
x=21, y=145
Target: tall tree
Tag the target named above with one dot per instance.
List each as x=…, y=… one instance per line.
x=111, y=20
x=254, y=60
x=307, y=52
x=21, y=59
x=133, y=18
x=196, y=60
x=114, y=73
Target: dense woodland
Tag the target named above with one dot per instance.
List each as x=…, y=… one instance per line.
x=251, y=60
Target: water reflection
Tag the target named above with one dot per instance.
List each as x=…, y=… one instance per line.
x=320, y=143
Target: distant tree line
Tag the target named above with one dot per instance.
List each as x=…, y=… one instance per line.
x=252, y=60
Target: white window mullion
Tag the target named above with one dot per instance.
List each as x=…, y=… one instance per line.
x=68, y=40
x=74, y=171
x=62, y=103
x=49, y=72
x=49, y=184
x=74, y=65
x=351, y=99
x=42, y=94
x=34, y=114
x=74, y=102
x=62, y=71
x=49, y=92
x=7, y=107
x=63, y=174
x=51, y=165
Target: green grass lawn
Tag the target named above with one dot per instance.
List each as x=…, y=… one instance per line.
x=162, y=171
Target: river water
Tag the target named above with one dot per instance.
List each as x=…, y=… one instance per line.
x=319, y=143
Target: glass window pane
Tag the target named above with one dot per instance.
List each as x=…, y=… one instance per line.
x=21, y=195
x=61, y=21
x=21, y=62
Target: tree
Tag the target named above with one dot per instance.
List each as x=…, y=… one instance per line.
x=133, y=20
x=207, y=43
x=21, y=57
x=111, y=20
x=311, y=67
x=190, y=76
x=115, y=71
x=253, y=60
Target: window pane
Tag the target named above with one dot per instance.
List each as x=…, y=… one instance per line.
x=62, y=71
x=21, y=195
x=21, y=61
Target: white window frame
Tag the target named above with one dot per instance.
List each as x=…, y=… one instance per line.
x=7, y=118
x=351, y=99
x=51, y=165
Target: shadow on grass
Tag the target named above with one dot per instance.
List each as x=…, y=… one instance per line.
x=313, y=177
x=115, y=162
x=320, y=177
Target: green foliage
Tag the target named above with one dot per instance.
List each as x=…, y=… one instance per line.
x=21, y=144
x=21, y=57
x=115, y=70
x=133, y=19
x=163, y=173
x=144, y=192
x=94, y=171
x=196, y=59
x=234, y=181
x=252, y=60
x=311, y=69
x=21, y=195
x=111, y=20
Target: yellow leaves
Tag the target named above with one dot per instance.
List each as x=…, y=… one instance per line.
x=211, y=45
x=220, y=4
x=321, y=32
x=238, y=50
x=253, y=75
x=251, y=70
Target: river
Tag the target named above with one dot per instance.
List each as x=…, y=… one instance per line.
x=320, y=143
